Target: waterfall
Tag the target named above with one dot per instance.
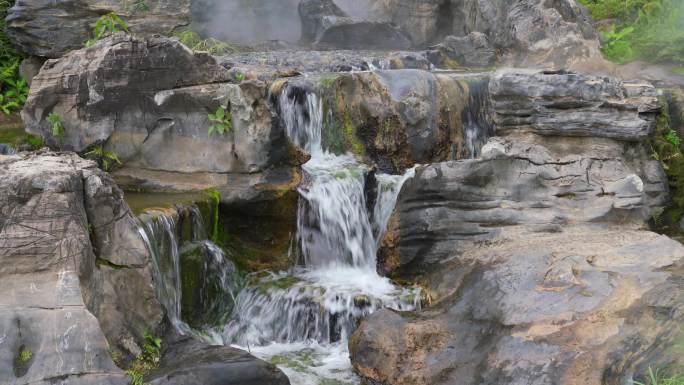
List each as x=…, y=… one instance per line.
x=161, y=232
x=313, y=309
x=476, y=117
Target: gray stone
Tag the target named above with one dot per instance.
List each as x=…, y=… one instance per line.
x=51, y=29
x=325, y=25
x=189, y=362
x=473, y=50
x=74, y=272
x=591, y=305
x=531, y=181
x=148, y=101
x=569, y=104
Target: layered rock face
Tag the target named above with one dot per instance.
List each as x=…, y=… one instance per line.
x=51, y=29
x=526, y=32
x=75, y=272
x=533, y=254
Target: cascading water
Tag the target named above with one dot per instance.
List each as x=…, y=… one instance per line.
x=301, y=320
x=160, y=230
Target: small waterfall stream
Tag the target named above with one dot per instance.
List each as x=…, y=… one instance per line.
x=301, y=320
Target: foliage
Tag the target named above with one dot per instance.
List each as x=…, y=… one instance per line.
x=239, y=77
x=13, y=88
x=651, y=30
x=194, y=41
x=107, y=25
x=105, y=158
x=222, y=121
x=57, y=123
x=665, y=146
x=148, y=360
x=25, y=356
x=654, y=378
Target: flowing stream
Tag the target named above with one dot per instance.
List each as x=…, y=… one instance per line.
x=299, y=320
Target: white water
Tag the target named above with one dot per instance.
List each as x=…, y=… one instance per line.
x=301, y=320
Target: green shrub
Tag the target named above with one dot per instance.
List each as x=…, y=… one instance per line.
x=57, y=123
x=654, y=378
x=147, y=361
x=13, y=88
x=104, y=158
x=222, y=121
x=651, y=30
x=107, y=25
x=194, y=41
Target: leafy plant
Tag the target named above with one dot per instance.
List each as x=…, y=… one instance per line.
x=25, y=356
x=673, y=138
x=107, y=25
x=57, y=123
x=222, y=121
x=13, y=88
x=651, y=30
x=105, y=158
x=148, y=360
x=194, y=41
x=239, y=77
x=654, y=378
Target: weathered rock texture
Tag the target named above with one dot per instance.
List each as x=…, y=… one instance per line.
x=533, y=254
x=75, y=272
x=51, y=29
x=401, y=117
x=188, y=362
x=567, y=104
x=526, y=32
x=590, y=305
x=149, y=101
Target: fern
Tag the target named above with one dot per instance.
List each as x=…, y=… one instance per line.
x=57, y=123
x=107, y=25
x=105, y=158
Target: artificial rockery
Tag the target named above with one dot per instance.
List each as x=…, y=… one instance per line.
x=409, y=192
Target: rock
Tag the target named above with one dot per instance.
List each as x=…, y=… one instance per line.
x=399, y=118
x=51, y=30
x=325, y=25
x=30, y=67
x=590, y=305
x=189, y=362
x=75, y=273
x=532, y=182
x=156, y=117
x=473, y=50
x=568, y=104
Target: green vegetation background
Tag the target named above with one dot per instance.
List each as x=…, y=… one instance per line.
x=651, y=30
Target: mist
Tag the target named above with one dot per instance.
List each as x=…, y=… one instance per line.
x=254, y=21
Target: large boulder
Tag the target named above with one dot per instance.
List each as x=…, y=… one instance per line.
x=53, y=28
x=149, y=102
x=590, y=305
x=473, y=50
x=76, y=274
x=532, y=182
x=189, y=362
x=325, y=25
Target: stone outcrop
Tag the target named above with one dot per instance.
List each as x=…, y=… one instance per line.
x=51, y=29
x=534, y=254
x=567, y=104
x=589, y=305
x=325, y=25
x=523, y=32
x=149, y=101
x=473, y=50
x=187, y=362
x=76, y=274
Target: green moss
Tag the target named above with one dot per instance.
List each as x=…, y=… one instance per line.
x=284, y=283
x=328, y=81
x=300, y=361
x=215, y=197
x=350, y=135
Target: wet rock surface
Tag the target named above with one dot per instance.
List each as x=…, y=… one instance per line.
x=74, y=273
x=188, y=362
